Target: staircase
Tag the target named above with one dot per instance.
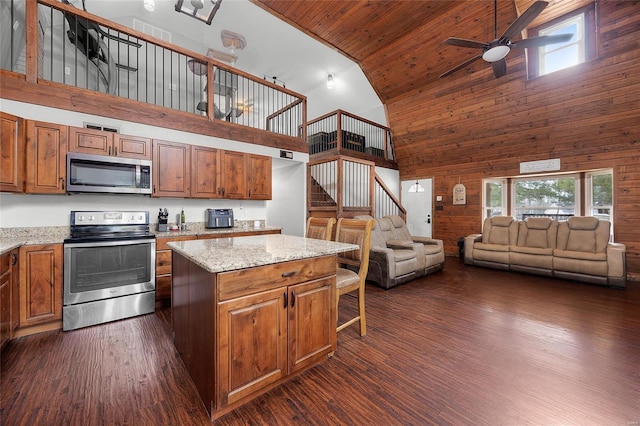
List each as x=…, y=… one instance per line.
x=342, y=186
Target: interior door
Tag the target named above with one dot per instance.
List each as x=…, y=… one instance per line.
x=419, y=206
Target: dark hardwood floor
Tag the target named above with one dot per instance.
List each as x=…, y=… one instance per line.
x=465, y=346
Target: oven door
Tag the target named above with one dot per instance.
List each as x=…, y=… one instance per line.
x=108, y=269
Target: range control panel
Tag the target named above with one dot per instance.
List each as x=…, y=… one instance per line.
x=109, y=218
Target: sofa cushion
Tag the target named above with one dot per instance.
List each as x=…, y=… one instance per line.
x=490, y=247
x=532, y=250
x=500, y=230
x=538, y=232
x=581, y=255
x=402, y=255
x=400, y=230
x=586, y=223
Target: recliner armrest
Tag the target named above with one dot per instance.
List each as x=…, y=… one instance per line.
x=428, y=241
x=468, y=247
x=616, y=262
x=384, y=258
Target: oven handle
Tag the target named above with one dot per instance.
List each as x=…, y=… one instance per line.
x=111, y=243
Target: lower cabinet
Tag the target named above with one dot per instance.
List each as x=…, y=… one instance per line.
x=9, y=296
x=163, y=269
x=272, y=334
x=40, y=288
x=5, y=300
x=242, y=332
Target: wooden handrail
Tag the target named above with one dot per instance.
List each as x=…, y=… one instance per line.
x=393, y=198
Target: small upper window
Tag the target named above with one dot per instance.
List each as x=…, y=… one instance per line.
x=581, y=47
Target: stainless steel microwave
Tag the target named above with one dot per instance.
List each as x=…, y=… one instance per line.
x=115, y=175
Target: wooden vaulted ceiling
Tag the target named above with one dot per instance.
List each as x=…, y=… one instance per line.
x=399, y=43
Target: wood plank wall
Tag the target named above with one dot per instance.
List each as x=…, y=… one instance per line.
x=469, y=127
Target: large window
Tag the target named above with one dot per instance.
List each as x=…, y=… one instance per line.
x=580, y=48
x=558, y=196
x=546, y=196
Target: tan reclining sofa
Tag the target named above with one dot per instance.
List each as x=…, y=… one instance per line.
x=396, y=256
x=576, y=249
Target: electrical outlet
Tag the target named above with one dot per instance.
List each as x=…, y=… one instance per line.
x=174, y=87
x=67, y=70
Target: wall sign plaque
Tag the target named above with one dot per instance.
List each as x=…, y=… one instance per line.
x=459, y=194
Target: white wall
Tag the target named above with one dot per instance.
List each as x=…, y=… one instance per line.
x=27, y=210
x=284, y=209
x=391, y=178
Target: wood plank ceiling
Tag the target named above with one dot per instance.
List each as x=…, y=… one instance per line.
x=399, y=43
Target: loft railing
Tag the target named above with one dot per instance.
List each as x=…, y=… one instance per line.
x=52, y=42
x=345, y=187
x=343, y=133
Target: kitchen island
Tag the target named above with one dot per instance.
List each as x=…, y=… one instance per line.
x=249, y=313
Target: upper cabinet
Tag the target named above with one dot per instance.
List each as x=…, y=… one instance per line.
x=233, y=175
x=171, y=169
x=245, y=176
x=46, y=154
x=99, y=142
x=11, y=153
x=205, y=171
x=259, y=177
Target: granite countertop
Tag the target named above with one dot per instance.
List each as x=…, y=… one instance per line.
x=11, y=238
x=228, y=254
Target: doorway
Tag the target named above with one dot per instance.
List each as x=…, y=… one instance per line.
x=418, y=206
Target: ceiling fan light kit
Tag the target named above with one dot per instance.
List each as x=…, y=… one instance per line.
x=497, y=50
x=496, y=53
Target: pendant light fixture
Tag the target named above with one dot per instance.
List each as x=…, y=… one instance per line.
x=416, y=187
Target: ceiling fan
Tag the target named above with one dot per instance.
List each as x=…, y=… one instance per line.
x=496, y=50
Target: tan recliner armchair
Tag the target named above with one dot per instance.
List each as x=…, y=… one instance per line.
x=491, y=248
x=433, y=259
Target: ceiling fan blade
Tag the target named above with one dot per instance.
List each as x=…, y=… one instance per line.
x=542, y=41
x=462, y=65
x=499, y=67
x=523, y=20
x=461, y=42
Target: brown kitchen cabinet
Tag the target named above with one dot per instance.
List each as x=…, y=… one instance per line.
x=245, y=176
x=171, y=169
x=205, y=172
x=100, y=142
x=163, y=269
x=242, y=332
x=6, y=282
x=259, y=177
x=46, y=156
x=233, y=175
x=40, y=288
x=12, y=144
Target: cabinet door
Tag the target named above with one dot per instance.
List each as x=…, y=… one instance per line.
x=46, y=156
x=40, y=284
x=204, y=172
x=233, y=174
x=252, y=345
x=11, y=153
x=90, y=141
x=15, y=289
x=132, y=147
x=259, y=177
x=5, y=299
x=171, y=169
x=312, y=302
x=5, y=308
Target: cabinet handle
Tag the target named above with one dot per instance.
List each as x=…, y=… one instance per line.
x=115, y=150
x=62, y=183
x=109, y=150
x=14, y=259
x=288, y=274
x=285, y=299
x=293, y=298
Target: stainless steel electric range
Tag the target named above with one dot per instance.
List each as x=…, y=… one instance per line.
x=109, y=268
